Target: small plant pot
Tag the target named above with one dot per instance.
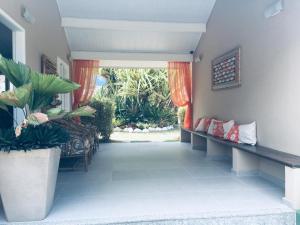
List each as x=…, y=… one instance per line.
x=27, y=183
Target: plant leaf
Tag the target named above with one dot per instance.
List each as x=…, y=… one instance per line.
x=32, y=120
x=17, y=73
x=19, y=97
x=46, y=86
x=4, y=107
x=37, y=118
x=55, y=113
x=82, y=111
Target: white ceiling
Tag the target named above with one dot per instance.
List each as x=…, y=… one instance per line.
x=161, y=27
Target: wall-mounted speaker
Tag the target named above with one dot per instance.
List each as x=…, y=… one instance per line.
x=27, y=16
x=198, y=58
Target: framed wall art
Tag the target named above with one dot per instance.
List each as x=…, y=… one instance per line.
x=226, y=70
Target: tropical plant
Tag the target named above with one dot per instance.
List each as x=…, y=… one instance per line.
x=34, y=91
x=45, y=135
x=140, y=96
x=103, y=119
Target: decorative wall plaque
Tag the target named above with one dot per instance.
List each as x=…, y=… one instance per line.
x=48, y=66
x=226, y=70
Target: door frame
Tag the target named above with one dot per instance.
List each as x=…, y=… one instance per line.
x=19, y=49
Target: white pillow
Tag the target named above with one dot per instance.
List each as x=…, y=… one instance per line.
x=247, y=133
x=211, y=127
x=227, y=126
x=201, y=125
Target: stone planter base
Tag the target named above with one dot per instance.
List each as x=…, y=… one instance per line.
x=27, y=183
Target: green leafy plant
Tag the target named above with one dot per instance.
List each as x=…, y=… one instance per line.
x=140, y=96
x=118, y=122
x=45, y=135
x=34, y=91
x=103, y=119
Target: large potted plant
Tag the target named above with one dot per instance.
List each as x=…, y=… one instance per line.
x=30, y=153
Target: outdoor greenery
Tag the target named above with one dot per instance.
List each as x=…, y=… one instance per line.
x=34, y=91
x=103, y=118
x=181, y=115
x=141, y=97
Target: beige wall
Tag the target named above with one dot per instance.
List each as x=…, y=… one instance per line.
x=45, y=36
x=270, y=70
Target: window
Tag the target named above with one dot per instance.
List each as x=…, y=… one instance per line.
x=2, y=83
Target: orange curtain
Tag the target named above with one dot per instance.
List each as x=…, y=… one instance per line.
x=180, y=83
x=84, y=73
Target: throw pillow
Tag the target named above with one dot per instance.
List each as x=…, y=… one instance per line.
x=227, y=126
x=247, y=133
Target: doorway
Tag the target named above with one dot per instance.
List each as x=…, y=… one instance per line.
x=14, y=35
x=6, y=50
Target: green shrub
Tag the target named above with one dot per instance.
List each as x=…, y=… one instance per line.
x=181, y=115
x=142, y=125
x=118, y=122
x=103, y=118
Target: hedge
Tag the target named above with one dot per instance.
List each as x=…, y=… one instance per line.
x=103, y=118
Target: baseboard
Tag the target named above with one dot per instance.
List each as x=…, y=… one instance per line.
x=288, y=203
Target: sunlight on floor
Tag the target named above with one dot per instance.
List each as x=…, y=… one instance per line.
x=162, y=136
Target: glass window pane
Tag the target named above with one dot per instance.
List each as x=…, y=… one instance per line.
x=2, y=83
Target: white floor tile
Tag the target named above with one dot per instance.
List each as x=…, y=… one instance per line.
x=155, y=180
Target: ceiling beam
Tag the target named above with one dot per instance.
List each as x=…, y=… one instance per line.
x=132, y=56
x=133, y=64
x=133, y=25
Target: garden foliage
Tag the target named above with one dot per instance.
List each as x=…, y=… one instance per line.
x=103, y=117
x=140, y=96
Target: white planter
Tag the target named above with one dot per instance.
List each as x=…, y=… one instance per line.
x=27, y=183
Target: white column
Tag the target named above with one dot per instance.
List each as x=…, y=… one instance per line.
x=292, y=186
x=244, y=163
x=198, y=142
x=185, y=136
x=217, y=151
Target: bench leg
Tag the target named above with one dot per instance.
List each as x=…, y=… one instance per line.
x=185, y=136
x=216, y=151
x=199, y=143
x=292, y=187
x=244, y=163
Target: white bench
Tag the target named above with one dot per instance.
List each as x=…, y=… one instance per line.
x=245, y=159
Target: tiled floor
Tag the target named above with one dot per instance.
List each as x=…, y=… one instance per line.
x=161, y=181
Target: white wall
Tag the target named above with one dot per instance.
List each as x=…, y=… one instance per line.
x=270, y=70
x=45, y=36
